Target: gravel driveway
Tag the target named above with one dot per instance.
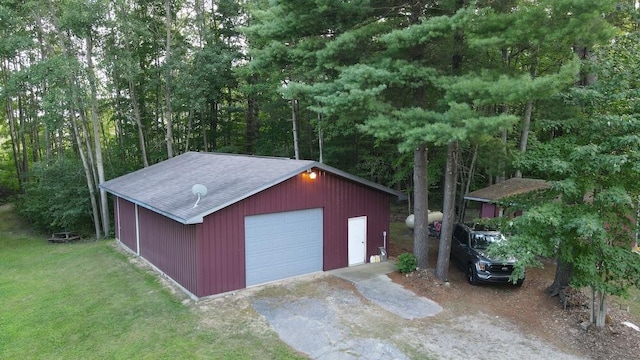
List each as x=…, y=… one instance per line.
x=360, y=314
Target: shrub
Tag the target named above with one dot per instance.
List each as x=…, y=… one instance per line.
x=56, y=197
x=406, y=263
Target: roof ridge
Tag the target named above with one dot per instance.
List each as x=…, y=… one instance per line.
x=250, y=155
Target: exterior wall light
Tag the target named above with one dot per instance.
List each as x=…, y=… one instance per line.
x=312, y=174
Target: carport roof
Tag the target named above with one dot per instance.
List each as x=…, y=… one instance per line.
x=511, y=187
x=166, y=187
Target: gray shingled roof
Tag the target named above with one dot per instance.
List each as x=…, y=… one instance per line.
x=166, y=187
x=510, y=187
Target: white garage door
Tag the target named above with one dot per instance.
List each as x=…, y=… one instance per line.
x=282, y=245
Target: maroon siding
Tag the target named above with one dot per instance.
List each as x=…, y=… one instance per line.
x=489, y=210
x=116, y=222
x=126, y=223
x=221, y=252
x=170, y=246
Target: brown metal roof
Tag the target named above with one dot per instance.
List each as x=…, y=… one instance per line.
x=166, y=187
x=513, y=186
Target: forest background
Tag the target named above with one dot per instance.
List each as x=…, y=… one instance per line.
x=428, y=97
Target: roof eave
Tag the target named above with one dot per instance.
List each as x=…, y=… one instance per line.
x=145, y=205
x=399, y=194
x=472, y=198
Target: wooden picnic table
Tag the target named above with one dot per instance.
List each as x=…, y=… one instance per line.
x=64, y=237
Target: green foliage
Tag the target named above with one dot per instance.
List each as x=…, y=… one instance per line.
x=406, y=263
x=8, y=182
x=56, y=197
x=588, y=218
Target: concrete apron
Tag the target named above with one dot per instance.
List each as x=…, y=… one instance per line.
x=372, y=282
x=323, y=328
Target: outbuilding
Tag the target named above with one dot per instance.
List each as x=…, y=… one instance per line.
x=215, y=223
x=491, y=196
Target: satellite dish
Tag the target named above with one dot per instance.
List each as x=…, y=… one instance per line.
x=200, y=191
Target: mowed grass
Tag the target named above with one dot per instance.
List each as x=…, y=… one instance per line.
x=87, y=301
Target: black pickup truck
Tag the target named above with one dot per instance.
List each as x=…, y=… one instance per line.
x=468, y=248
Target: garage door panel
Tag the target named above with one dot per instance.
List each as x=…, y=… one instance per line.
x=282, y=245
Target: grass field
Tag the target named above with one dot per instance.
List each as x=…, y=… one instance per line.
x=87, y=301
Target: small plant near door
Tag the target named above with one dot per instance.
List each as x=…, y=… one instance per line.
x=406, y=263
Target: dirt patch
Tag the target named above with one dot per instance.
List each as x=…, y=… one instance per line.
x=529, y=308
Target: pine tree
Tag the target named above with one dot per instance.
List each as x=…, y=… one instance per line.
x=589, y=217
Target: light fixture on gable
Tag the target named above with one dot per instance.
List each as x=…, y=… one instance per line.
x=312, y=174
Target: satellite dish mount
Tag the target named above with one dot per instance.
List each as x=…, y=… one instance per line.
x=200, y=191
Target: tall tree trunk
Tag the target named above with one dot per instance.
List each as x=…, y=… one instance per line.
x=138, y=120
x=561, y=278
x=104, y=203
x=137, y=114
x=74, y=105
x=214, y=126
x=462, y=205
x=59, y=143
x=563, y=269
x=252, y=120
x=189, y=129
x=420, y=207
x=526, y=119
x=450, y=179
x=87, y=138
x=451, y=172
x=122, y=114
x=294, y=119
x=87, y=172
x=13, y=134
x=167, y=94
x=23, y=137
x=203, y=129
x=200, y=21
x=47, y=143
x=320, y=139
x=586, y=78
x=34, y=134
x=502, y=176
x=598, y=314
x=524, y=137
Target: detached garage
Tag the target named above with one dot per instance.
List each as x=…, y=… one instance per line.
x=215, y=223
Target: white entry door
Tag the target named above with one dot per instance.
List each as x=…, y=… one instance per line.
x=357, y=240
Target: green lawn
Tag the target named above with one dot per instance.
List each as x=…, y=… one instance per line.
x=87, y=301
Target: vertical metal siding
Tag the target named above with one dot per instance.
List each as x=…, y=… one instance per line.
x=116, y=221
x=488, y=210
x=221, y=239
x=170, y=246
x=126, y=223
